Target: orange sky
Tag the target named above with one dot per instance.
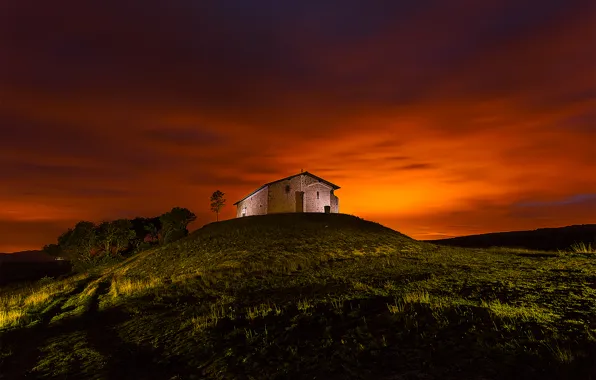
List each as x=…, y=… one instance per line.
x=435, y=119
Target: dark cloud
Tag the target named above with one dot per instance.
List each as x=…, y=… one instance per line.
x=26, y=134
x=574, y=199
x=220, y=181
x=185, y=136
x=418, y=166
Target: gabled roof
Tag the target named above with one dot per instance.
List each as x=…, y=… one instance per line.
x=335, y=187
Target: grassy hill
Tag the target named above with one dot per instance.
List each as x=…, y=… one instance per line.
x=546, y=239
x=308, y=296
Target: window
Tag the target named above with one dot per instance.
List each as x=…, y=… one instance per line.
x=287, y=188
x=317, y=195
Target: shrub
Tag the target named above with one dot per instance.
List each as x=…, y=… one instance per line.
x=582, y=247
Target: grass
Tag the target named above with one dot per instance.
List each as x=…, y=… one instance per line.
x=305, y=296
x=582, y=247
x=11, y=317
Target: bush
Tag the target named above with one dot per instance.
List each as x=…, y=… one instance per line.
x=582, y=247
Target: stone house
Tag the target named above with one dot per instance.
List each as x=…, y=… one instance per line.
x=303, y=192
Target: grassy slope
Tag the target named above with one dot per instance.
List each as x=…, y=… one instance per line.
x=308, y=296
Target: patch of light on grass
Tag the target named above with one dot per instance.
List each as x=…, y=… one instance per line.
x=416, y=297
x=10, y=317
x=524, y=313
x=202, y=322
x=10, y=301
x=582, y=247
x=37, y=297
x=125, y=287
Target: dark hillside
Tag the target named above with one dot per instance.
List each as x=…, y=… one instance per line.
x=275, y=243
x=543, y=239
x=26, y=256
x=30, y=266
x=308, y=296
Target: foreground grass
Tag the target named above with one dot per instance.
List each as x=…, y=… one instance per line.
x=309, y=296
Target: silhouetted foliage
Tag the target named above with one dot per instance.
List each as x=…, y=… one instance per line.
x=174, y=224
x=52, y=249
x=88, y=244
x=146, y=233
x=124, y=234
x=106, y=235
x=217, y=203
x=81, y=241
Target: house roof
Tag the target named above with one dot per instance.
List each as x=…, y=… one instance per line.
x=335, y=187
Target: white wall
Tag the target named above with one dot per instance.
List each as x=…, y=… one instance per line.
x=314, y=203
x=256, y=204
x=276, y=199
x=281, y=200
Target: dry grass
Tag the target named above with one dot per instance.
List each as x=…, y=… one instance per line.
x=37, y=298
x=523, y=313
x=127, y=287
x=416, y=297
x=11, y=318
x=582, y=247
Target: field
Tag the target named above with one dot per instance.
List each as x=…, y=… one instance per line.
x=309, y=296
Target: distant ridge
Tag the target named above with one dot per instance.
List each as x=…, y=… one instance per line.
x=543, y=239
x=28, y=256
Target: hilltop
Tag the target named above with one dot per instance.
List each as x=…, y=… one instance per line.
x=307, y=296
x=546, y=239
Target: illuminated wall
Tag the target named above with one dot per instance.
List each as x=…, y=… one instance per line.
x=256, y=204
x=281, y=197
x=316, y=197
x=334, y=203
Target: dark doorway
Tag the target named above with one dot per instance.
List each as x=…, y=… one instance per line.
x=327, y=209
x=300, y=201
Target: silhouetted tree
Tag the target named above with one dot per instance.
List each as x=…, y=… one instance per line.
x=146, y=228
x=106, y=232
x=153, y=227
x=79, y=242
x=174, y=224
x=52, y=249
x=64, y=240
x=217, y=202
x=115, y=235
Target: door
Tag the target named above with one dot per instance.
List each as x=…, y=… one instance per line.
x=300, y=201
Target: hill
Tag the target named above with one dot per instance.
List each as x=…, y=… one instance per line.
x=545, y=239
x=30, y=266
x=26, y=256
x=308, y=296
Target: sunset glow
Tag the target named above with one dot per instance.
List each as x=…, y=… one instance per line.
x=434, y=121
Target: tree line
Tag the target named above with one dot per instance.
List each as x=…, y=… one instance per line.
x=88, y=243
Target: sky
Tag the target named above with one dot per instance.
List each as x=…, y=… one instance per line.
x=436, y=118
